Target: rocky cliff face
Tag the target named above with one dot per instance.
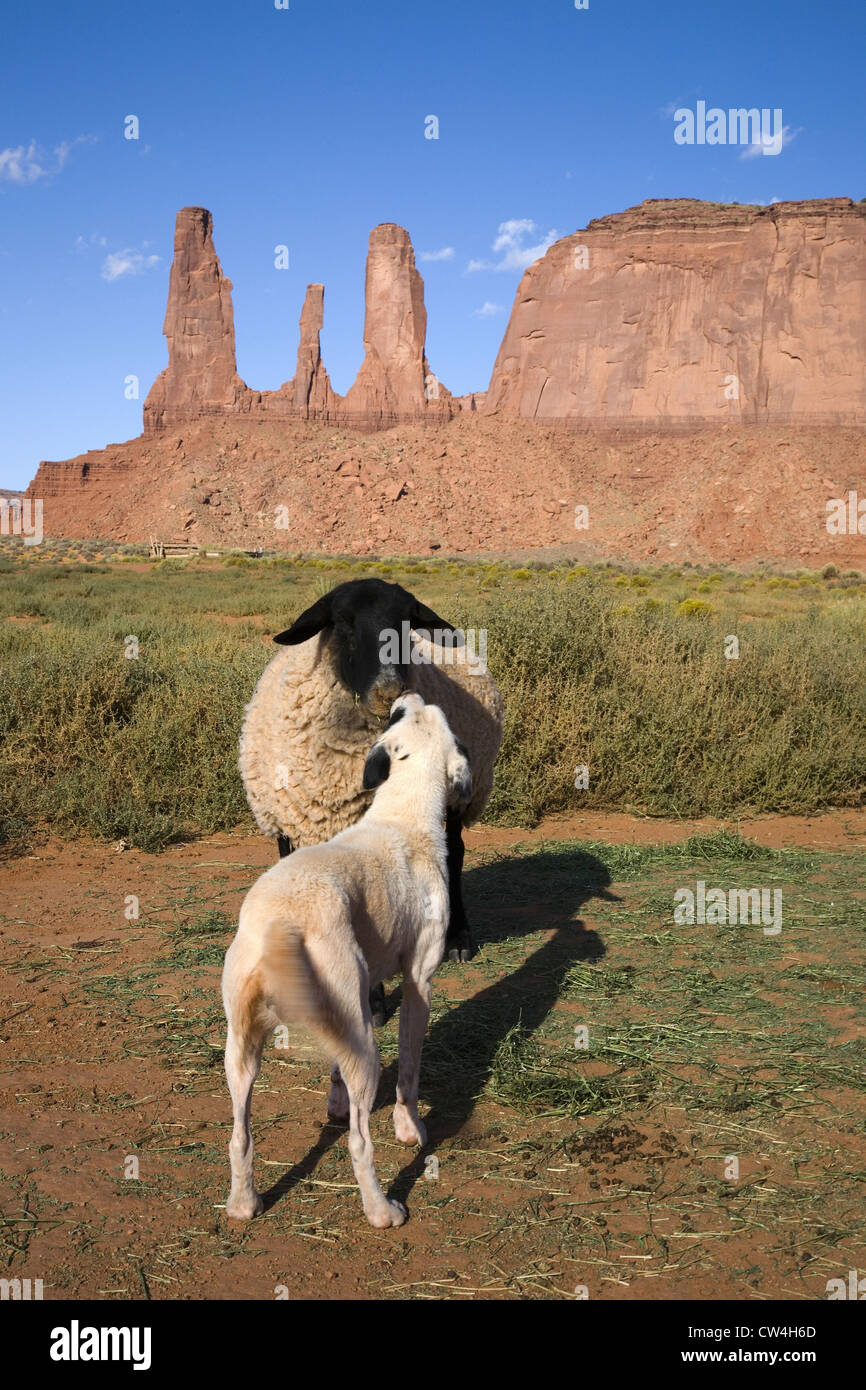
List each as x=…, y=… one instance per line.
x=479, y=484
x=681, y=312
x=674, y=312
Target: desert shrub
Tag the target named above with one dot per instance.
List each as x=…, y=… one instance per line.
x=146, y=750
x=663, y=721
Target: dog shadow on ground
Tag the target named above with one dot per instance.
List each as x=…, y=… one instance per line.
x=506, y=898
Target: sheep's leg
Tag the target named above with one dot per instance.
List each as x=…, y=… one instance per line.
x=414, y=1013
x=360, y=1072
x=243, y=1060
x=458, y=943
x=284, y=845
x=378, y=1009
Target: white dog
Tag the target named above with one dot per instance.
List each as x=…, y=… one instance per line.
x=325, y=925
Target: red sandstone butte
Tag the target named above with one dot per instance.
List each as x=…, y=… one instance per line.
x=201, y=375
x=394, y=385
x=686, y=312
x=311, y=388
x=395, y=381
x=745, y=325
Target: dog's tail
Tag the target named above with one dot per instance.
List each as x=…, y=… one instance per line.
x=325, y=993
x=289, y=983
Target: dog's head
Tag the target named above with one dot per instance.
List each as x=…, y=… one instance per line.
x=419, y=737
x=367, y=624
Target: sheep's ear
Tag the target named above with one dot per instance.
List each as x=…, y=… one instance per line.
x=459, y=774
x=421, y=617
x=376, y=768
x=308, y=624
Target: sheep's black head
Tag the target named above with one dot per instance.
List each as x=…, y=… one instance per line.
x=365, y=620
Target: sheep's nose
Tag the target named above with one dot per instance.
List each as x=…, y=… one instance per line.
x=390, y=684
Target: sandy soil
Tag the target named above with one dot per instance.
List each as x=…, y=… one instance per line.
x=112, y=1029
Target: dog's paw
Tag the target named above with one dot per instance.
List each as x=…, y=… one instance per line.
x=245, y=1208
x=407, y=1129
x=388, y=1214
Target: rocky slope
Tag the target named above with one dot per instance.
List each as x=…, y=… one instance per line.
x=474, y=484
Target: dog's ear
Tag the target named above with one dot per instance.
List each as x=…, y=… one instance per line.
x=422, y=618
x=376, y=768
x=459, y=773
x=320, y=615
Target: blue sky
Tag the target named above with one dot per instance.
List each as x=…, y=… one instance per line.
x=305, y=127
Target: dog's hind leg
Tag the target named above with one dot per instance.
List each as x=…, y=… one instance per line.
x=359, y=1069
x=244, y=1045
x=343, y=1023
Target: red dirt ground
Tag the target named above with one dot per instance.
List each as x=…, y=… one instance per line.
x=111, y=1045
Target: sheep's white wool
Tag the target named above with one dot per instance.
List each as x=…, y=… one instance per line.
x=304, y=739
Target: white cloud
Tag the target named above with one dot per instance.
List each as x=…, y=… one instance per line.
x=769, y=144
x=81, y=243
x=510, y=245
x=446, y=254
x=25, y=164
x=127, y=262
x=22, y=164
x=488, y=310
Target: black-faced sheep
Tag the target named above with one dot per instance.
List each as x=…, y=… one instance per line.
x=324, y=698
